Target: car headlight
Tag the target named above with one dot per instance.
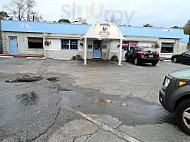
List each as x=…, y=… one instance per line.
x=166, y=82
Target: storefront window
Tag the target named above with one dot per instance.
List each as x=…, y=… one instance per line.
x=34, y=42
x=127, y=44
x=167, y=48
x=69, y=44
x=73, y=44
x=65, y=44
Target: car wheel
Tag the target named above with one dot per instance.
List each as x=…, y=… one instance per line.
x=154, y=64
x=136, y=62
x=175, y=60
x=126, y=59
x=183, y=116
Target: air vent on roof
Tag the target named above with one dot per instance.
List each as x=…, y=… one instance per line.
x=167, y=30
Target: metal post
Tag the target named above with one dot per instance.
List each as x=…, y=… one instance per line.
x=85, y=50
x=44, y=47
x=120, y=52
x=109, y=47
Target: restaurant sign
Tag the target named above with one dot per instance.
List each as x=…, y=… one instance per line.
x=104, y=30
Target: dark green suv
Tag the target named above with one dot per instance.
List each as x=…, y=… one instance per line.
x=175, y=97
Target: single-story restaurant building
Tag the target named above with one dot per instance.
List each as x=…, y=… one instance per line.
x=97, y=41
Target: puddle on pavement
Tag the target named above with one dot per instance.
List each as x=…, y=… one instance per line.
x=53, y=79
x=28, y=99
x=62, y=88
x=25, y=78
x=131, y=111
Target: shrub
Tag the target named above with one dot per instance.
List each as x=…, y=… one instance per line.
x=77, y=57
x=157, y=45
x=114, y=58
x=47, y=43
x=74, y=57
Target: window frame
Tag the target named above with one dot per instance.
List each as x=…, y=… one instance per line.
x=36, y=38
x=70, y=45
x=129, y=46
x=168, y=43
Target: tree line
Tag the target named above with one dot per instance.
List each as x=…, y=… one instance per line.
x=24, y=10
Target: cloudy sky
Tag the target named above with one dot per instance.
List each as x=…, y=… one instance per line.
x=159, y=13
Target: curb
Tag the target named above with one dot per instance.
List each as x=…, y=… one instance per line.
x=7, y=57
x=39, y=58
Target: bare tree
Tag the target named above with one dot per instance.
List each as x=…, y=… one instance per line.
x=23, y=10
x=37, y=17
x=113, y=19
x=16, y=8
x=30, y=5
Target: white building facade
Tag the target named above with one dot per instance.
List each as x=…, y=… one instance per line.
x=98, y=41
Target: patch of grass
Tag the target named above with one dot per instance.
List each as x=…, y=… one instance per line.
x=28, y=99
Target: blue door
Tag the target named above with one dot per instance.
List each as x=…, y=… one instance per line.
x=13, y=46
x=97, y=49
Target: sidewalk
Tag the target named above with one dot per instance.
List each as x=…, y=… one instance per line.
x=21, y=55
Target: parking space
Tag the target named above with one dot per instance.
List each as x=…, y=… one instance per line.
x=125, y=98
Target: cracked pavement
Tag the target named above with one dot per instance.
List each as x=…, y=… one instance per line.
x=79, y=111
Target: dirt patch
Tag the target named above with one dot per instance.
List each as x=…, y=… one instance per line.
x=28, y=99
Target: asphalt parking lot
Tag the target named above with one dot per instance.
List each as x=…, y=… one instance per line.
x=98, y=102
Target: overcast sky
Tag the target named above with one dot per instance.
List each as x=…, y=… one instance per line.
x=159, y=13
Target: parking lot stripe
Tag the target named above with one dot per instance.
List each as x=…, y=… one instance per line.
x=105, y=127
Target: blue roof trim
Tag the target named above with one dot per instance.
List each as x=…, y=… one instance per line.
x=152, y=32
x=185, y=39
x=42, y=27
x=78, y=29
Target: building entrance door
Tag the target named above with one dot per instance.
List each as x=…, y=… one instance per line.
x=97, y=49
x=13, y=46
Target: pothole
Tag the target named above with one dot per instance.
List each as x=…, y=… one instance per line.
x=25, y=78
x=53, y=79
x=62, y=88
